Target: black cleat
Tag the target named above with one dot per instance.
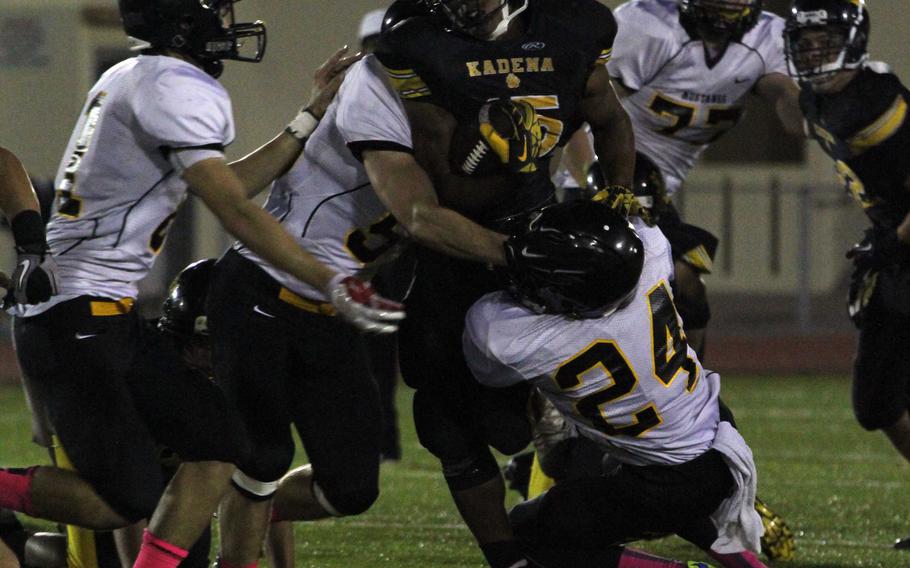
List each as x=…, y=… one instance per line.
x=902, y=544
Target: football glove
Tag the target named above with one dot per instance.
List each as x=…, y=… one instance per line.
x=35, y=278
x=777, y=543
x=879, y=248
x=358, y=303
x=863, y=283
x=509, y=134
x=621, y=199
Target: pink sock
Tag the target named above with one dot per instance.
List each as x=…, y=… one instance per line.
x=632, y=558
x=16, y=489
x=744, y=559
x=158, y=553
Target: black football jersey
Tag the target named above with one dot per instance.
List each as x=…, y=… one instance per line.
x=865, y=129
x=548, y=67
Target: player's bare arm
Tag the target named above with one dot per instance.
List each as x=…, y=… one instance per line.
x=223, y=192
x=782, y=93
x=405, y=189
x=614, y=141
x=272, y=160
x=35, y=277
x=16, y=193
x=578, y=156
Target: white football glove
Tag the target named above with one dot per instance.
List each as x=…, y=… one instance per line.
x=357, y=302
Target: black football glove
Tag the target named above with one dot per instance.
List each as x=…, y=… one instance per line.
x=879, y=248
x=35, y=278
x=508, y=134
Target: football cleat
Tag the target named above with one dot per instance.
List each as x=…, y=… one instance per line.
x=902, y=544
x=777, y=543
x=694, y=564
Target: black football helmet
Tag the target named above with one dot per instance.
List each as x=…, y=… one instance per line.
x=578, y=258
x=468, y=16
x=647, y=184
x=400, y=11
x=183, y=312
x=719, y=20
x=201, y=29
x=823, y=37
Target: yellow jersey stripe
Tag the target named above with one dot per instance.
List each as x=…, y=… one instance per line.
x=410, y=88
x=312, y=306
x=400, y=73
x=882, y=129
x=699, y=259
x=118, y=308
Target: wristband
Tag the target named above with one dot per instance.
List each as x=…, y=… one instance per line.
x=303, y=125
x=28, y=232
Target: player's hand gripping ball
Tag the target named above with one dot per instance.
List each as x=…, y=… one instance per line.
x=507, y=135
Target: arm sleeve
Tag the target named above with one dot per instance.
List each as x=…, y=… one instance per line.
x=395, y=53
x=486, y=367
x=608, y=28
x=370, y=114
x=182, y=109
x=772, y=48
x=638, y=52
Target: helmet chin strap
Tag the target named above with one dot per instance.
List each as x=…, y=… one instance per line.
x=507, y=16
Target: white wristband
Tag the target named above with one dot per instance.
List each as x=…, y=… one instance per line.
x=303, y=125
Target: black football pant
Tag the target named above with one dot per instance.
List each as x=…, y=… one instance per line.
x=455, y=416
x=581, y=522
x=286, y=364
x=113, y=391
x=881, y=372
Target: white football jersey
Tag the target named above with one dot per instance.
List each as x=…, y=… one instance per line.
x=627, y=380
x=680, y=104
x=117, y=192
x=326, y=201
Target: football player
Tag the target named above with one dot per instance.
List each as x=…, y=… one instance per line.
x=857, y=111
x=683, y=70
x=449, y=60
x=34, y=279
x=560, y=452
x=280, y=351
x=589, y=320
x=153, y=127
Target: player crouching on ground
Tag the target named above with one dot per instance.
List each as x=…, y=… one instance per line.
x=589, y=320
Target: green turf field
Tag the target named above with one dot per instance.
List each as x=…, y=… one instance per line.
x=844, y=491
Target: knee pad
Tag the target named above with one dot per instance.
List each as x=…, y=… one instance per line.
x=267, y=462
x=695, y=312
x=346, y=503
x=470, y=472
x=252, y=488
